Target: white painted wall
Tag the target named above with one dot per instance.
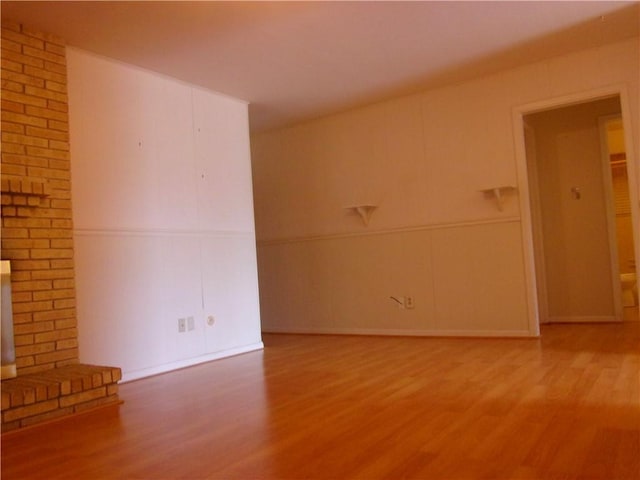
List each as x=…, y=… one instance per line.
x=163, y=218
x=422, y=159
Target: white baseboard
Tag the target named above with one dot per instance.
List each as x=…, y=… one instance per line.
x=399, y=332
x=169, y=367
x=584, y=319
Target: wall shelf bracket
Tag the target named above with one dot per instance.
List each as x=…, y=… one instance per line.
x=498, y=193
x=364, y=211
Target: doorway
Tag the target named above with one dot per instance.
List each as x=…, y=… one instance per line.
x=568, y=215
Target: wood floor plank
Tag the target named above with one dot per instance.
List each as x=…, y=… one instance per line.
x=564, y=406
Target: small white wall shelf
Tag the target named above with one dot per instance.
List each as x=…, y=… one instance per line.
x=498, y=194
x=364, y=211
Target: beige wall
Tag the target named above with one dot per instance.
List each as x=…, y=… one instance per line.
x=422, y=160
x=615, y=137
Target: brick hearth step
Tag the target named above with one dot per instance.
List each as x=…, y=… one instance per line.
x=47, y=395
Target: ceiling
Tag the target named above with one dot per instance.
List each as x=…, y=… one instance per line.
x=294, y=61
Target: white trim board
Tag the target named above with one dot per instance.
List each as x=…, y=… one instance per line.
x=402, y=333
x=387, y=231
x=584, y=319
x=159, y=232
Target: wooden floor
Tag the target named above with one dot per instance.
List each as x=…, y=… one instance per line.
x=565, y=406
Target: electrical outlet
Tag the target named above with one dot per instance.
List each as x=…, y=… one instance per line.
x=211, y=320
x=182, y=325
x=191, y=324
x=408, y=302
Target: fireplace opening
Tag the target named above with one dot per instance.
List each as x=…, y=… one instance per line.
x=8, y=351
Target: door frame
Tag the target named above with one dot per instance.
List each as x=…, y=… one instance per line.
x=530, y=250
x=536, y=219
x=611, y=214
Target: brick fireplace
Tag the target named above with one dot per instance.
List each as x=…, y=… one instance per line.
x=37, y=234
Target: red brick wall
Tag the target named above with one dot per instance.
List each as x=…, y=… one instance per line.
x=37, y=230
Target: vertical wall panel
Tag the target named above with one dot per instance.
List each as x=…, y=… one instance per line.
x=164, y=219
x=136, y=143
x=223, y=163
x=119, y=286
x=230, y=289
